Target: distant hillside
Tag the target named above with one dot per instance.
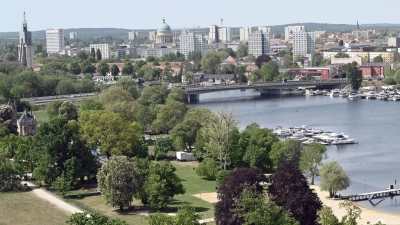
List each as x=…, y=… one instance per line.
x=276, y=29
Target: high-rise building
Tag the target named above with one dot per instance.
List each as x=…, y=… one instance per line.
x=303, y=44
x=259, y=43
x=213, y=36
x=225, y=34
x=394, y=42
x=292, y=29
x=105, y=50
x=133, y=35
x=191, y=42
x=55, y=40
x=245, y=33
x=25, y=47
x=73, y=35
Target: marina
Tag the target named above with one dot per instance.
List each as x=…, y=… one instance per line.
x=309, y=136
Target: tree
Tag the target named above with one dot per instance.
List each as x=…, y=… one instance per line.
x=187, y=216
x=68, y=110
x=229, y=51
x=354, y=75
x=286, y=151
x=95, y=218
x=311, y=160
x=91, y=104
x=10, y=57
x=317, y=59
x=378, y=58
x=93, y=53
x=168, y=116
x=270, y=71
x=103, y=68
x=222, y=176
x=9, y=145
x=82, y=55
x=9, y=176
x=114, y=70
x=187, y=76
x=163, y=146
x=195, y=56
x=217, y=134
x=262, y=59
x=291, y=191
x=53, y=107
x=139, y=64
x=87, y=67
x=74, y=68
x=258, y=208
x=118, y=181
x=240, y=71
x=208, y=169
x=128, y=68
x=232, y=189
x=341, y=55
x=353, y=213
x=160, y=219
x=210, y=62
x=162, y=184
x=334, y=178
x=242, y=50
x=327, y=217
x=184, y=134
x=98, y=55
x=341, y=43
x=65, y=86
x=299, y=58
x=7, y=120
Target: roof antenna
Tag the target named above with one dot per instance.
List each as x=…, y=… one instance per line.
x=222, y=22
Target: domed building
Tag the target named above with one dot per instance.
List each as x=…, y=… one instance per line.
x=164, y=37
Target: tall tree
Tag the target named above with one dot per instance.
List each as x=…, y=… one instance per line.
x=98, y=55
x=93, y=53
x=128, y=68
x=262, y=59
x=114, y=70
x=341, y=55
x=291, y=191
x=354, y=75
x=103, y=68
x=232, y=189
x=163, y=146
x=208, y=169
x=334, y=178
x=242, y=50
x=195, y=56
x=286, y=151
x=311, y=160
x=75, y=68
x=270, y=71
x=118, y=181
x=87, y=67
x=210, y=62
x=68, y=110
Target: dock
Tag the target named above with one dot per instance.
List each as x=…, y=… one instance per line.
x=372, y=195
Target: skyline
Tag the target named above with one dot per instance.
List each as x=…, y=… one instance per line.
x=179, y=14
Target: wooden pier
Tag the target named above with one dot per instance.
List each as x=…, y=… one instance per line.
x=372, y=195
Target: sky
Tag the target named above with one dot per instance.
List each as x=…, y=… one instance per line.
x=148, y=14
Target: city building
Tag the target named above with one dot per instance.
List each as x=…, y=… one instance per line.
x=26, y=122
x=245, y=33
x=164, y=37
x=73, y=35
x=133, y=35
x=388, y=57
x=105, y=50
x=191, y=42
x=320, y=33
x=213, y=36
x=303, y=44
x=373, y=69
x=363, y=34
x=25, y=47
x=55, y=40
x=152, y=35
x=278, y=48
x=224, y=34
x=259, y=43
x=292, y=29
x=394, y=42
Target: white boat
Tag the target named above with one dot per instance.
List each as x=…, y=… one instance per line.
x=396, y=98
x=371, y=95
x=330, y=137
x=318, y=92
x=281, y=132
x=353, y=95
x=342, y=141
x=335, y=93
x=310, y=141
x=344, y=94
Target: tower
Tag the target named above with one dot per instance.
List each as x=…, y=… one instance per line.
x=25, y=47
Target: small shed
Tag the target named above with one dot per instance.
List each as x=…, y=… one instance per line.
x=184, y=156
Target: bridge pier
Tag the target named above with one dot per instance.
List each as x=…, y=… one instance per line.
x=267, y=92
x=193, y=98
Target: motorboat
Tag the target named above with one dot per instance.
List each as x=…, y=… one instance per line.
x=318, y=92
x=353, y=95
x=330, y=137
x=281, y=132
x=371, y=95
x=396, y=98
x=335, y=93
x=310, y=141
x=363, y=96
x=342, y=141
x=344, y=94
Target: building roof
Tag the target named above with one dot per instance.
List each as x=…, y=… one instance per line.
x=25, y=117
x=164, y=26
x=230, y=59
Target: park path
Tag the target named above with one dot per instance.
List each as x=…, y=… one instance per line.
x=52, y=199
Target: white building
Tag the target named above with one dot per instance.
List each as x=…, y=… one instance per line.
x=259, y=43
x=25, y=47
x=133, y=35
x=213, y=36
x=55, y=40
x=105, y=50
x=245, y=33
x=191, y=42
x=292, y=29
x=73, y=35
x=224, y=34
x=303, y=44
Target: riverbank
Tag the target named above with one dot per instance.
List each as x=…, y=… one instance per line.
x=367, y=215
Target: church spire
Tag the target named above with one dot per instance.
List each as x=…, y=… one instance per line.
x=24, y=24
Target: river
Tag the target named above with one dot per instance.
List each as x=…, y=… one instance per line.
x=372, y=164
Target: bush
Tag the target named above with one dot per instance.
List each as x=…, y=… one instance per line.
x=222, y=176
x=208, y=169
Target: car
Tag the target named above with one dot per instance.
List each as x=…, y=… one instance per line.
x=72, y=96
x=380, y=78
x=209, y=85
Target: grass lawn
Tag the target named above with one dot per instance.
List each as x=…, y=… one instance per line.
x=190, y=180
x=27, y=208
x=41, y=116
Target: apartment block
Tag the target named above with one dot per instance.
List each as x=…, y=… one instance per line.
x=303, y=44
x=292, y=29
x=191, y=42
x=259, y=43
x=55, y=40
x=245, y=33
x=105, y=50
x=394, y=42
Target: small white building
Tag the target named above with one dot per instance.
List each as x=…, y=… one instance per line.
x=105, y=50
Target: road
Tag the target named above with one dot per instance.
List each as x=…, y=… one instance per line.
x=47, y=99
x=52, y=199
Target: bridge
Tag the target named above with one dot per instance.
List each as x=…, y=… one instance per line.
x=265, y=88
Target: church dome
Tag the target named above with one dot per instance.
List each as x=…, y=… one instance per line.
x=164, y=26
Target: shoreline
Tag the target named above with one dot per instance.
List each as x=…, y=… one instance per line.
x=367, y=215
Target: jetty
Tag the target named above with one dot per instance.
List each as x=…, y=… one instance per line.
x=372, y=195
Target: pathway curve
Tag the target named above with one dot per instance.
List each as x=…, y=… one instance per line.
x=52, y=199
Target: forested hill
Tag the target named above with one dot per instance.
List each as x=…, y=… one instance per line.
x=276, y=29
